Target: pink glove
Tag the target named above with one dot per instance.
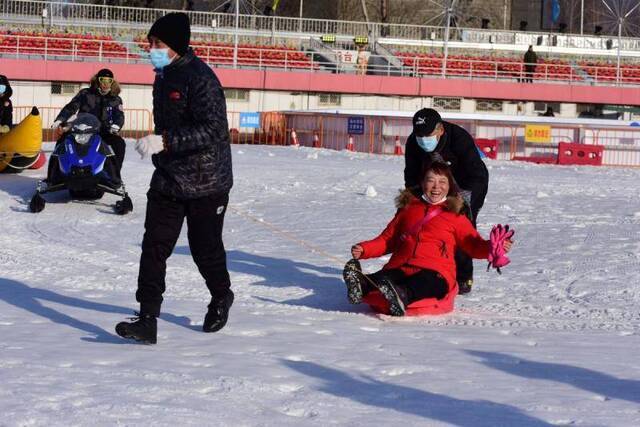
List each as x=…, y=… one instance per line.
x=497, y=254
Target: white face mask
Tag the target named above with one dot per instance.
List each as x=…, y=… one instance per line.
x=433, y=202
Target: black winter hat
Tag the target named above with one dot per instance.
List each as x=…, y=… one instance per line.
x=425, y=121
x=105, y=72
x=174, y=30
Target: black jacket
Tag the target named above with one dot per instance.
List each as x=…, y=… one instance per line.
x=107, y=108
x=457, y=148
x=6, y=108
x=530, y=58
x=190, y=112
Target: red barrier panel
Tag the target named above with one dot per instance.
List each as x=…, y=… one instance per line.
x=488, y=147
x=579, y=154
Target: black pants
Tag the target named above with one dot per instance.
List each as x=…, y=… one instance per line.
x=118, y=146
x=529, y=70
x=423, y=284
x=163, y=222
x=464, y=263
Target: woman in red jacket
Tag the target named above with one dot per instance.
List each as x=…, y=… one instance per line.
x=422, y=239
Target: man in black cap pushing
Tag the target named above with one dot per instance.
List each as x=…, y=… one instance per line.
x=102, y=100
x=191, y=152
x=433, y=138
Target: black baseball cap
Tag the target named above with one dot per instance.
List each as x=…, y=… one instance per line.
x=425, y=121
x=105, y=72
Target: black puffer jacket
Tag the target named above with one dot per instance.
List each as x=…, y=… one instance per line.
x=190, y=112
x=107, y=108
x=457, y=148
x=6, y=108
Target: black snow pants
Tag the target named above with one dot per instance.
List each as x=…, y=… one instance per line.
x=163, y=222
x=118, y=146
x=421, y=285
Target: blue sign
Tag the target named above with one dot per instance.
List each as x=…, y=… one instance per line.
x=355, y=126
x=250, y=120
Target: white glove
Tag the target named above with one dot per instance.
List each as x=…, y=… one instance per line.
x=56, y=124
x=149, y=145
x=114, y=129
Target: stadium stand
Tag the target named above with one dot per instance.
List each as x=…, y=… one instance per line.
x=249, y=55
x=61, y=44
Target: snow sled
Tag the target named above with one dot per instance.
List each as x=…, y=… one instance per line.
x=20, y=148
x=84, y=165
x=422, y=307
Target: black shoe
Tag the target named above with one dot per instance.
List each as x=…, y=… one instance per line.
x=395, y=296
x=353, y=278
x=144, y=328
x=218, y=313
x=464, y=287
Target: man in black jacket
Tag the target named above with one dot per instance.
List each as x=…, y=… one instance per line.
x=530, y=61
x=433, y=138
x=193, y=176
x=102, y=100
x=6, y=108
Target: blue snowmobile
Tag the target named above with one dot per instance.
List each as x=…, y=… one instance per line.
x=84, y=165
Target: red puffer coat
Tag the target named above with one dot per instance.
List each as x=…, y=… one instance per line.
x=432, y=247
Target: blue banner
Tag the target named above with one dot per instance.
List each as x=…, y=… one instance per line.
x=250, y=120
x=555, y=11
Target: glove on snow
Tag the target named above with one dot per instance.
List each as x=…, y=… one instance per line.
x=149, y=145
x=497, y=255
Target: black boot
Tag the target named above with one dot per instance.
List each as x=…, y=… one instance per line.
x=464, y=286
x=354, y=279
x=394, y=294
x=218, y=312
x=144, y=328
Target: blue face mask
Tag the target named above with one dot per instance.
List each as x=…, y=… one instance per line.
x=427, y=143
x=160, y=58
x=3, y=88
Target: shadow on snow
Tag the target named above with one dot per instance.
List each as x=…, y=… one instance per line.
x=407, y=400
x=32, y=299
x=582, y=378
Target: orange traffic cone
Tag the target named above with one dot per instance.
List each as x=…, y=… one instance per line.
x=294, y=138
x=350, y=144
x=40, y=161
x=316, y=140
x=398, y=148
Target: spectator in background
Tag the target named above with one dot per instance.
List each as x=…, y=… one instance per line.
x=362, y=60
x=548, y=113
x=530, y=61
x=6, y=107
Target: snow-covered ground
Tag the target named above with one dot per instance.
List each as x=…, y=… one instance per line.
x=555, y=340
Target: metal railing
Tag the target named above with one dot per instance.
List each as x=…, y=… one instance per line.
x=68, y=48
x=138, y=122
x=221, y=55
x=87, y=15
x=380, y=134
